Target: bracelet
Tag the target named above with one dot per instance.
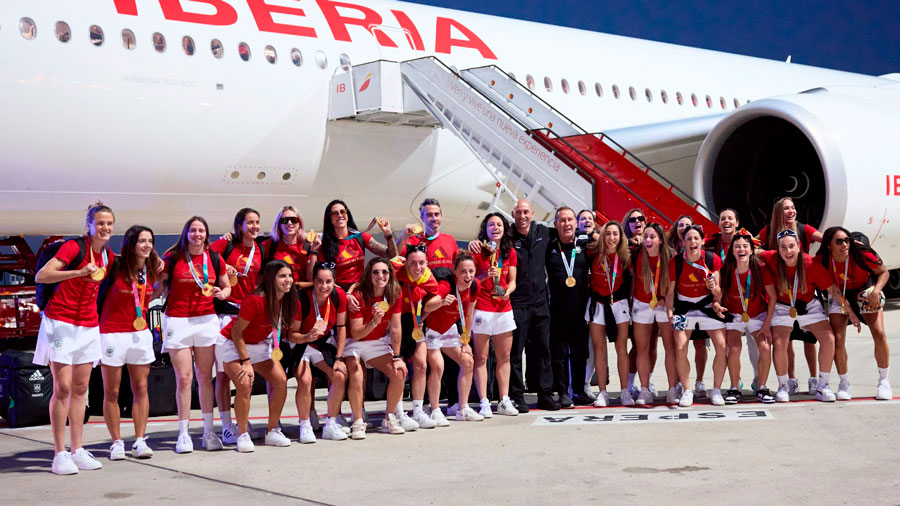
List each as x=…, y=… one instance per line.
x=397, y=357
x=339, y=359
x=391, y=236
x=339, y=326
x=241, y=361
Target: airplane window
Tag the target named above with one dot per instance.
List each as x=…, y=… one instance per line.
x=736, y=103
x=598, y=89
x=679, y=98
x=296, y=57
x=216, y=47
x=565, y=86
x=648, y=94
x=616, y=90
x=708, y=102
x=722, y=101
x=187, y=44
x=664, y=96
x=159, y=42
x=244, y=51
x=548, y=84
x=321, y=59
x=96, y=35
x=271, y=55
x=530, y=82
x=63, y=34
x=694, y=99
x=582, y=88
x=345, y=61
x=128, y=39
x=27, y=28
x=632, y=93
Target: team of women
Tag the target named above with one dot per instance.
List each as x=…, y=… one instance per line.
x=299, y=300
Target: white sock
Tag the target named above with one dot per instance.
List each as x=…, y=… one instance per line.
x=417, y=406
x=844, y=378
x=824, y=377
x=398, y=410
x=303, y=422
x=782, y=381
x=225, y=416
x=207, y=422
x=505, y=398
x=183, y=426
x=883, y=373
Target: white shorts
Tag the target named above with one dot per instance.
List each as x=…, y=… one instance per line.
x=312, y=355
x=750, y=327
x=815, y=313
x=696, y=319
x=65, y=343
x=619, y=309
x=367, y=350
x=642, y=313
x=226, y=352
x=436, y=341
x=120, y=348
x=191, y=331
x=489, y=323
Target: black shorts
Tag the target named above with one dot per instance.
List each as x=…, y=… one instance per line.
x=698, y=335
x=798, y=334
x=292, y=357
x=407, y=343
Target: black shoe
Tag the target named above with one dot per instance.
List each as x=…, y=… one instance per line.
x=764, y=396
x=732, y=396
x=565, y=401
x=582, y=400
x=547, y=403
x=521, y=405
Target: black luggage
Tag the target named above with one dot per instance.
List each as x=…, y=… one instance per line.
x=25, y=389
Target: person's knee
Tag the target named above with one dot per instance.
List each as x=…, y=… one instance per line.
x=139, y=388
x=437, y=369
x=111, y=392
x=80, y=389
x=62, y=390
x=338, y=378
x=278, y=381
x=467, y=363
x=419, y=364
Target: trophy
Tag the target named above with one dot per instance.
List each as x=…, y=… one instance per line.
x=498, y=290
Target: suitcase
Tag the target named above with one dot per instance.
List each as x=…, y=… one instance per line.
x=25, y=389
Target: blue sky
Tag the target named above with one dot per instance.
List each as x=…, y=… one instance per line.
x=861, y=36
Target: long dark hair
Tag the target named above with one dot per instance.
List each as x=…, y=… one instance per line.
x=783, y=284
x=727, y=276
x=626, y=225
x=665, y=255
x=128, y=265
x=238, y=236
x=181, y=247
x=505, y=241
x=675, y=240
x=269, y=293
x=367, y=289
x=330, y=242
x=857, y=249
x=776, y=224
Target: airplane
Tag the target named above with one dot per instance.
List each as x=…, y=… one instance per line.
x=169, y=108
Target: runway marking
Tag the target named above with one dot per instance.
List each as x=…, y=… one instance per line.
x=655, y=417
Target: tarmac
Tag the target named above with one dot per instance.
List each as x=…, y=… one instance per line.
x=803, y=452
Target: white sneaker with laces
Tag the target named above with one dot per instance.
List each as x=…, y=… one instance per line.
x=884, y=392
x=485, y=409
x=782, y=395
x=244, y=443
x=358, y=429
x=277, y=438
x=230, y=433
x=602, y=399
x=625, y=398
x=117, y=450
x=140, y=449
x=687, y=399
x=825, y=394
x=211, y=442
x=306, y=432
x=645, y=398
x=453, y=410
x=63, y=464
x=716, y=399
x=793, y=386
x=85, y=461
x=506, y=407
x=813, y=384
x=333, y=431
x=468, y=414
x=390, y=425
x=843, y=393
x=699, y=389
x=408, y=424
x=184, y=444
x=424, y=421
x=438, y=417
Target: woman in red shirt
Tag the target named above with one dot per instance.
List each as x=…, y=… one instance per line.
x=791, y=280
x=375, y=342
x=495, y=269
x=125, y=337
x=249, y=345
x=608, y=304
x=287, y=243
x=69, y=338
x=323, y=308
x=194, y=276
x=859, y=274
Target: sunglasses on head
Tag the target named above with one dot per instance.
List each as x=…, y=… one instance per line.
x=635, y=219
x=841, y=242
x=339, y=212
x=325, y=265
x=289, y=219
x=698, y=228
x=786, y=233
x=416, y=247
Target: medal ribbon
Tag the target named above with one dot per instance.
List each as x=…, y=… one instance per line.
x=793, y=290
x=187, y=258
x=276, y=332
x=835, y=274
x=570, y=268
x=696, y=266
x=249, y=261
x=103, y=254
x=745, y=299
x=615, y=273
x=655, y=279
x=139, y=302
x=462, y=314
x=357, y=233
x=416, y=310
x=316, y=307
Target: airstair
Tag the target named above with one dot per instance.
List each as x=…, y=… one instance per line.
x=532, y=150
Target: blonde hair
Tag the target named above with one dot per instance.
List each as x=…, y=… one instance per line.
x=276, y=227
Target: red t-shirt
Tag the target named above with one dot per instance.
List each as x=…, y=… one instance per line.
x=717, y=245
x=413, y=291
x=805, y=242
x=238, y=259
x=693, y=280
x=599, y=282
x=327, y=310
x=259, y=327
x=351, y=260
x=75, y=300
x=639, y=292
x=816, y=277
x=757, y=304
x=442, y=250
x=291, y=254
x=485, y=301
x=118, y=306
x=185, y=297
x=446, y=316
x=857, y=277
x=366, y=312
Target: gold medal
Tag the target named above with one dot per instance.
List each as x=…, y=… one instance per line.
x=140, y=323
x=232, y=280
x=745, y=317
x=207, y=290
x=793, y=312
x=383, y=306
x=570, y=281
x=380, y=221
x=653, y=302
x=465, y=337
x=311, y=235
x=276, y=354
x=418, y=335
x=417, y=229
x=99, y=274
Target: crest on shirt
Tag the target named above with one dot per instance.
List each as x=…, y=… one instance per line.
x=57, y=345
x=110, y=350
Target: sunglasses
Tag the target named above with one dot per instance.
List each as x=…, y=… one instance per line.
x=381, y=272
x=325, y=265
x=786, y=233
x=635, y=219
x=339, y=212
x=841, y=242
x=289, y=219
x=416, y=247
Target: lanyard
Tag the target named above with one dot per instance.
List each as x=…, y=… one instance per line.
x=696, y=266
x=187, y=258
x=249, y=261
x=834, y=272
x=416, y=309
x=655, y=278
x=744, y=294
x=277, y=330
x=139, y=302
x=316, y=307
x=570, y=267
x=462, y=314
x=429, y=239
x=793, y=290
x=103, y=253
x=615, y=273
x=357, y=233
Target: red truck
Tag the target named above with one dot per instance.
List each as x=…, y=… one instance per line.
x=19, y=314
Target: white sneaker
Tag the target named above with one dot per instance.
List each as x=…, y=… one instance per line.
x=211, y=442
x=645, y=398
x=652, y=389
x=485, y=410
x=277, y=438
x=589, y=393
x=117, y=450
x=506, y=407
x=782, y=395
x=306, y=432
x=140, y=449
x=672, y=396
x=390, y=425
x=687, y=399
x=85, y=461
x=602, y=400
x=700, y=389
x=813, y=384
x=825, y=394
x=625, y=398
x=244, y=443
x=342, y=424
x=358, y=429
x=468, y=414
x=634, y=390
x=884, y=392
x=453, y=410
x=717, y=399
x=843, y=393
x=438, y=417
x=184, y=444
x=333, y=431
x=230, y=433
x=63, y=464
x=424, y=421
x=408, y=424
x=793, y=386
